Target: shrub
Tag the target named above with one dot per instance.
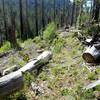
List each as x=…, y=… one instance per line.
x=91, y=76
x=64, y=91
x=37, y=39
x=58, y=44
x=58, y=70
x=42, y=76
x=21, y=96
x=28, y=78
x=49, y=34
x=93, y=29
x=88, y=94
x=5, y=47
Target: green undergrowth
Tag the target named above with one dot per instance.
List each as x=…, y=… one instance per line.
x=49, y=33
x=6, y=47
x=64, y=77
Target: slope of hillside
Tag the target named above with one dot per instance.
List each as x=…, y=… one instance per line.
x=65, y=75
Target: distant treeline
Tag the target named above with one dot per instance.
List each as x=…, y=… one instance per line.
x=25, y=19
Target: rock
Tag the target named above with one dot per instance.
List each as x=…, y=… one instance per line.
x=36, y=88
x=63, y=34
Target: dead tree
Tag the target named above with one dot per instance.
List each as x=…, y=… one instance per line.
x=73, y=9
x=54, y=7
x=96, y=8
x=12, y=27
x=36, y=17
x=21, y=20
x=43, y=15
x=4, y=18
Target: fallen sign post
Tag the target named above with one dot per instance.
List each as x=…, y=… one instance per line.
x=15, y=81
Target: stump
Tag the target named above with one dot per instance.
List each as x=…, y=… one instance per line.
x=91, y=55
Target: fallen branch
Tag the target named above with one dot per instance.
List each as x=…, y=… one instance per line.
x=14, y=80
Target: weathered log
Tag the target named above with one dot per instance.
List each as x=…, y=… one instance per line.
x=41, y=60
x=92, y=85
x=91, y=55
x=14, y=80
x=10, y=83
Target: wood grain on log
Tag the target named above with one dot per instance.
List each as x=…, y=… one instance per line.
x=14, y=80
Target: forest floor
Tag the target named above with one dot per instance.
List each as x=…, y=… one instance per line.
x=63, y=77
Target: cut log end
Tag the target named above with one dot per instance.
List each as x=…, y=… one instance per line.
x=91, y=55
x=88, y=58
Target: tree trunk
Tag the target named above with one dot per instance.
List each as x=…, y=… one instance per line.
x=12, y=32
x=21, y=20
x=72, y=18
x=80, y=14
x=27, y=21
x=54, y=7
x=96, y=10
x=36, y=17
x=43, y=15
x=4, y=17
x=14, y=81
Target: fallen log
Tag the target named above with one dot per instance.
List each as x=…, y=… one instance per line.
x=14, y=80
x=92, y=85
x=10, y=83
x=91, y=55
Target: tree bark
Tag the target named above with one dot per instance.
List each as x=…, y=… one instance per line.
x=43, y=15
x=21, y=20
x=4, y=17
x=73, y=8
x=12, y=29
x=96, y=10
x=14, y=81
x=54, y=7
x=36, y=17
x=27, y=21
